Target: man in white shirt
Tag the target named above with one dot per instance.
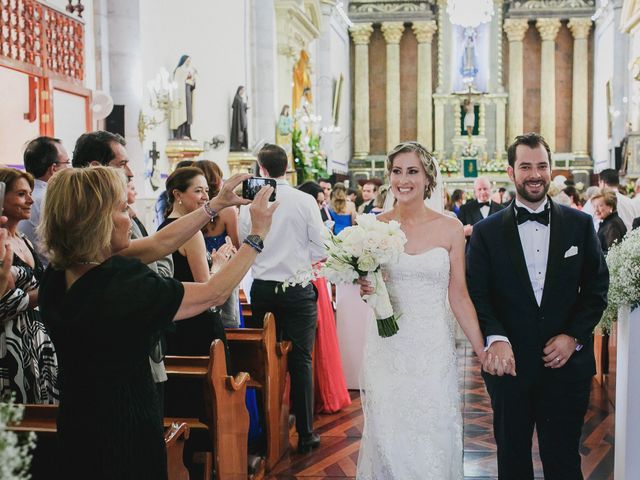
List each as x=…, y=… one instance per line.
x=538, y=280
x=369, y=192
x=43, y=157
x=293, y=244
x=627, y=209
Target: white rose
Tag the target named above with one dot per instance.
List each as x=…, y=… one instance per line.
x=366, y=263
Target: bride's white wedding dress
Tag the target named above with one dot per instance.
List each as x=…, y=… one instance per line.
x=413, y=425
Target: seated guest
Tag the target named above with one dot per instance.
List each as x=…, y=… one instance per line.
x=612, y=228
x=219, y=231
x=103, y=310
x=188, y=191
x=28, y=363
x=342, y=211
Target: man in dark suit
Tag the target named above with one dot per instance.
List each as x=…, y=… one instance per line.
x=475, y=210
x=369, y=192
x=538, y=280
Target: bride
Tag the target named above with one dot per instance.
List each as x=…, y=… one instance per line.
x=413, y=425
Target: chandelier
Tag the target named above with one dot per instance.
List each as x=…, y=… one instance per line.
x=469, y=13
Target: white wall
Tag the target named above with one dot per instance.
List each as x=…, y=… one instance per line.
x=215, y=34
x=602, y=73
x=14, y=130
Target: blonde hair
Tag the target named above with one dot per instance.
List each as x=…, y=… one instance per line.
x=609, y=198
x=381, y=197
x=426, y=159
x=339, y=198
x=77, y=224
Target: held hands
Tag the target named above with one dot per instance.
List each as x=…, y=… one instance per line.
x=261, y=212
x=499, y=359
x=226, y=197
x=558, y=351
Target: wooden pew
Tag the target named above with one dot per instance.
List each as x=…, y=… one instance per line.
x=255, y=350
x=225, y=417
x=41, y=419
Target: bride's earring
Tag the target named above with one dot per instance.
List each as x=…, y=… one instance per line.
x=179, y=202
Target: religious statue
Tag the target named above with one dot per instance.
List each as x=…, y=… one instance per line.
x=469, y=116
x=239, y=140
x=284, y=128
x=301, y=80
x=469, y=69
x=181, y=116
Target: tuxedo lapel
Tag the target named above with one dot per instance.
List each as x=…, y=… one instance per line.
x=512, y=238
x=476, y=214
x=554, y=258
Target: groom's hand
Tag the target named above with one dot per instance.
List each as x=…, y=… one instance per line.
x=558, y=351
x=500, y=360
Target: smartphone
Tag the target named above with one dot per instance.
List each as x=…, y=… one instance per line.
x=252, y=186
x=2, y=189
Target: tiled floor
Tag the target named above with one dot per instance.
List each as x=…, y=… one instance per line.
x=338, y=454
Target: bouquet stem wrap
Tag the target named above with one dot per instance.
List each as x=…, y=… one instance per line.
x=381, y=304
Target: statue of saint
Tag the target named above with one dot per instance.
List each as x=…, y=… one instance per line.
x=181, y=116
x=301, y=81
x=469, y=116
x=285, y=122
x=239, y=140
x=469, y=69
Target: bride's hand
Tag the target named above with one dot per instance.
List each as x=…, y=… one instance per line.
x=365, y=286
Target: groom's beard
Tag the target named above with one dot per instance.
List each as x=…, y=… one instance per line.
x=521, y=188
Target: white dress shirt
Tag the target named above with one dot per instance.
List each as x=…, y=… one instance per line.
x=534, y=238
x=295, y=240
x=484, y=210
x=627, y=210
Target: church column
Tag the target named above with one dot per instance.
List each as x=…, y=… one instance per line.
x=392, y=32
x=500, y=126
x=439, y=130
x=579, y=121
x=361, y=33
x=548, y=28
x=515, y=30
x=424, y=34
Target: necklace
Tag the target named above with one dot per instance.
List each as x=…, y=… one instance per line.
x=88, y=263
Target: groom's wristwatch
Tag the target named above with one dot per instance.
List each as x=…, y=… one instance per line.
x=255, y=242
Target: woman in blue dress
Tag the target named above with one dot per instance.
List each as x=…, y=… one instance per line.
x=343, y=211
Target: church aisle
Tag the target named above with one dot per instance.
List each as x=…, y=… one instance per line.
x=338, y=454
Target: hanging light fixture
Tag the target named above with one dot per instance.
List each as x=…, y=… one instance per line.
x=469, y=13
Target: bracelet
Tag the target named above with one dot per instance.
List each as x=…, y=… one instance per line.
x=252, y=245
x=210, y=211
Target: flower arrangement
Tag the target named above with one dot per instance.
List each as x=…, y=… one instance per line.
x=623, y=260
x=309, y=161
x=15, y=450
x=469, y=151
x=450, y=165
x=359, y=251
x=493, y=166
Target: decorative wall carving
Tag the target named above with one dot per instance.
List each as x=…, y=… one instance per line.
x=556, y=8
x=42, y=39
x=398, y=10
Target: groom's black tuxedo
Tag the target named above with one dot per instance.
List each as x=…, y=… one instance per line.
x=573, y=299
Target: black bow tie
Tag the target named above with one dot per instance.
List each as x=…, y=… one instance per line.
x=484, y=204
x=525, y=215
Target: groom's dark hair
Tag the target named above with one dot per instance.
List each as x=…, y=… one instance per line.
x=274, y=160
x=531, y=140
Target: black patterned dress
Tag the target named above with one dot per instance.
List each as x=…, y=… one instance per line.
x=28, y=364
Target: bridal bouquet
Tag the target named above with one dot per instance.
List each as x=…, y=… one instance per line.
x=359, y=251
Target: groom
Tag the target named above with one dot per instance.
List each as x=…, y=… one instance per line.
x=539, y=283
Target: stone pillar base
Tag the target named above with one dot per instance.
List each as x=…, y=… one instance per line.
x=178, y=150
x=241, y=162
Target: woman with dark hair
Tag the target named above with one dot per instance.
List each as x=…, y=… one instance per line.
x=457, y=199
x=28, y=362
x=330, y=386
x=239, y=140
x=187, y=191
x=103, y=311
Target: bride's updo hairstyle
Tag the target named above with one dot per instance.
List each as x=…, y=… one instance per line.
x=428, y=163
